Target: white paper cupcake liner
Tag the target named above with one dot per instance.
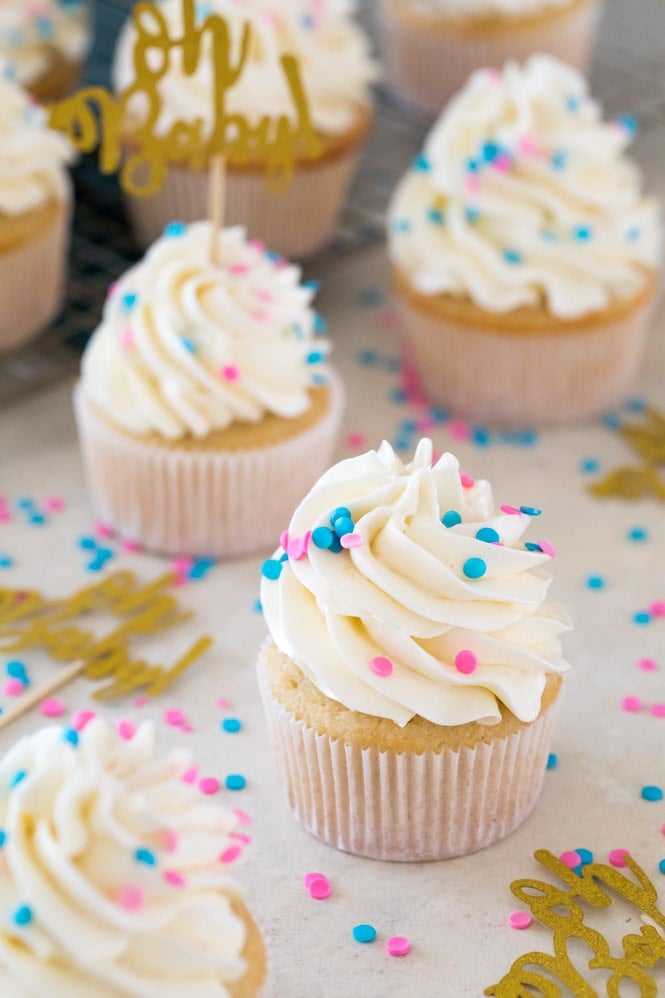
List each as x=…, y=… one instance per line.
x=32, y=279
x=427, y=64
x=537, y=378
x=202, y=503
x=407, y=807
x=296, y=223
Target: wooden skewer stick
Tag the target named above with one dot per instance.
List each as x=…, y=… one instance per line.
x=39, y=693
x=216, y=201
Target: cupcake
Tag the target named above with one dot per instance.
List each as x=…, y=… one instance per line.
x=336, y=69
x=205, y=405
x=414, y=668
x=116, y=874
x=525, y=257
x=45, y=43
x=35, y=209
x=431, y=46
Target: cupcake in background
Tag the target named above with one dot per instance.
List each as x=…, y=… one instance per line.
x=525, y=257
x=431, y=46
x=205, y=407
x=35, y=210
x=414, y=669
x=46, y=44
x=336, y=70
x=116, y=874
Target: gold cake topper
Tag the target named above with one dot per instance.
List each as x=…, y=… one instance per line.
x=560, y=910
x=95, y=117
x=643, y=480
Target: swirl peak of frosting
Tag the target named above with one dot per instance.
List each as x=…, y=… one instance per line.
x=31, y=32
x=188, y=344
x=524, y=197
x=112, y=881
x=406, y=593
x=34, y=158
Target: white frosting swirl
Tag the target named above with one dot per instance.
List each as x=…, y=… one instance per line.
x=34, y=159
x=524, y=197
x=188, y=345
x=333, y=52
x=466, y=9
x=30, y=32
x=87, y=827
x=404, y=595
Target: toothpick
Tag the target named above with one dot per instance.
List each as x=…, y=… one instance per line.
x=216, y=201
x=43, y=692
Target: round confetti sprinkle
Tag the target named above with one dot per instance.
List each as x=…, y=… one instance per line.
x=657, y=710
x=520, y=920
x=145, y=856
x=13, y=688
x=126, y=729
x=352, y=540
x=3, y=838
x=657, y=609
x=342, y=512
x=343, y=525
x=552, y=760
x=309, y=877
x=466, y=662
x=638, y=535
x=651, y=793
x=488, y=534
x=547, y=549
x=451, y=518
x=398, y=946
x=175, y=718
x=18, y=777
x=474, y=568
x=71, y=736
x=231, y=724
x=17, y=670
x=661, y=866
x=364, y=933
x=323, y=537
x=52, y=708
x=467, y=481
x=631, y=705
x=618, y=857
x=647, y=664
x=570, y=859
x=319, y=888
x=595, y=582
x=22, y=915
x=235, y=782
x=271, y=569
x=130, y=897
x=82, y=717
x=641, y=618
x=381, y=666
x=174, y=878
x=530, y=510
x=586, y=856
x=209, y=785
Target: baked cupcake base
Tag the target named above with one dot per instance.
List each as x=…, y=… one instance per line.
x=430, y=56
x=228, y=494
x=525, y=367
x=254, y=953
x=423, y=792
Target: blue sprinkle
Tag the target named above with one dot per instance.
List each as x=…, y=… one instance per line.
x=531, y=546
x=472, y=215
x=336, y=545
x=17, y=670
x=365, y=933
x=583, y=233
x=408, y=426
x=402, y=444
x=231, y=724
x=71, y=736
x=400, y=225
x=488, y=534
x=472, y=166
x=87, y=543
x=661, y=866
x=512, y=256
x=451, y=518
x=367, y=358
x=271, y=569
x=319, y=379
x=201, y=568
x=315, y=357
x=189, y=344
x=490, y=151
x=18, y=777
x=652, y=793
x=643, y=617
x=480, y=436
x=22, y=915
x=341, y=511
x=531, y=510
x=26, y=504
x=323, y=537
x=258, y=606
x=637, y=405
x=96, y=565
x=129, y=300
x=320, y=325
x=634, y=234
x=312, y=285
x=438, y=414
x=146, y=856
x=638, y=535
x=585, y=855
x=573, y=104
x=421, y=164
x=552, y=760
x=37, y=519
x=612, y=420
x=6, y=561
x=595, y=582
x=629, y=123
x=3, y=838
x=235, y=782
x=273, y=256
x=589, y=465
x=436, y=216
x=175, y=229
x=344, y=525
x=559, y=160
x=284, y=557
x=474, y=568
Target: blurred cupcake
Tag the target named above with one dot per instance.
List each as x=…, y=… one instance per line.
x=205, y=405
x=411, y=682
x=35, y=209
x=525, y=257
x=116, y=874
x=336, y=70
x=431, y=46
x=45, y=43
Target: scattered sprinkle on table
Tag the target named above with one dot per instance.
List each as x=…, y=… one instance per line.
x=520, y=920
x=52, y=708
x=231, y=725
x=398, y=946
x=651, y=793
x=234, y=781
x=552, y=760
x=617, y=857
x=364, y=933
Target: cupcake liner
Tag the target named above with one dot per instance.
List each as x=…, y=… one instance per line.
x=537, y=378
x=32, y=278
x=428, y=61
x=404, y=806
x=206, y=502
x=296, y=223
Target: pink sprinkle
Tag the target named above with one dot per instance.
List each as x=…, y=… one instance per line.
x=140, y=701
x=242, y=816
x=175, y=718
x=5, y=516
x=131, y=546
x=473, y=184
x=466, y=662
x=351, y=541
x=264, y=295
x=186, y=728
x=13, y=688
x=547, y=548
x=467, y=481
x=130, y=898
x=230, y=372
x=459, y=430
x=297, y=548
x=104, y=530
x=511, y=510
x=81, y=718
x=170, y=839
x=632, y=705
x=241, y=837
x=239, y=268
x=502, y=164
x=181, y=564
x=618, y=857
x=647, y=664
x=174, y=878
x=309, y=877
x=381, y=666
x=53, y=708
x=127, y=339
x=657, y=609
x=658, y=710
x=520, y=919
x=231, y=854
x=54, y=504
x=258, y=245
x=357, y=441
x=191, y=775
x=398, y=946
x=209, y=785
x=284, y=540
x=126, y=729
x=224, y=703
x=319, y=888
x=570, y=859
x=528, y=146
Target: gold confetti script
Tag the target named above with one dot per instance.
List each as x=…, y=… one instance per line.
x=560, y=910
x=94, y=117
x=29, y=620
x=642, y=481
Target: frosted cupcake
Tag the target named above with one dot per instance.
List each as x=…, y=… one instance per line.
x=45, y=43
x=205, y=406
x=525, y=256
x=115, y=876
x=432, y=46
x=35, y=209
x=336, y=70
x=411, y=681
